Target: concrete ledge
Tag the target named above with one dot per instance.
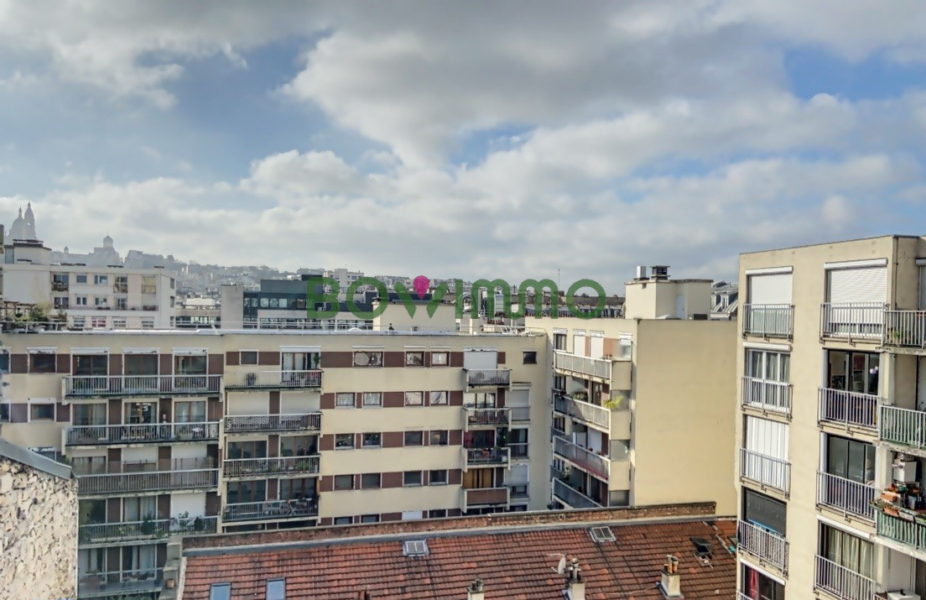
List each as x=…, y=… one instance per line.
x=36, y=461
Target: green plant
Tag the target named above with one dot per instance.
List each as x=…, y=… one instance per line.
x=147, y=525
x=198, y=524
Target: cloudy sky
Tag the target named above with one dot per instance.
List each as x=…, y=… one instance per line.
x=464, y=139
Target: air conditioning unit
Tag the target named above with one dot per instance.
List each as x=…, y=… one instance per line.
x=902, y=596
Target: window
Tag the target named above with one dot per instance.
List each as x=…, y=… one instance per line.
x=98, y=322
x=438, y=398
x=99, y=301
x=276, y=589
x=438, y=514
x=440, y=359
x=602, y=534
x=42, y=362
x=414, y=547
x=439, y=438
x=220, y=591
x=101, y=280
x=369, y=518
x=80, y=301
x=559, y=341
x=141, y=364
x=192, y=411
x=344, y=400
x=414, y=438
x=518, y=442
x=371, y=481
x=343, y=520
x=529, y=358
x=149, y=285
x=479, y=400
x=368, y=359
x=5, y=414
x=121, y=286
x=119, y=323
x=194, y=364
x=44, y=411
x=438, y=477
x=301, y=361
x=372, y=440
x=248, y=357
x=853, y=371
x=147, y=323
x=245, y=450
x=846, y=550
x=343, y=440
x=372, y=399
x=765, y=512
x=414, y=399
x=80, y=278
x=414, y=359
x=850, y=459
x=122, y=303
x=343, y=482
x=90, y=364
x=411, y=478
x=61, y=302
x=768, y=366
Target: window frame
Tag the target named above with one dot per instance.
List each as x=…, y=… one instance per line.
x=379, y=439
x=529, y=357
x=405, y=482
x=411, y=353
x=353, y=442
x=420, y=443
x=43, y=371
x=420, y=398
x=43, y=403
x=339, y=396
x=365, y=486
x=446, y=480
x=336, y=488
x=220, y=588
x=279, y=593
x=445, y=395
x=374, y=358
x=377, y=395
x=438, y=363
x=243, y=363
x=445, y=436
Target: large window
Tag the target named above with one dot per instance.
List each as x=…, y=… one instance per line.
x=479, y=400
x=853, y=371
x=190, y=412
x=91, y=364
x=764, y=511
x=141, y=364
x=850, y=459
x=42, y=362
x=256, y=449
x=246, y=491
x=88, y=414
x=301, y=361
x=846, y=550
x=768, y=366
x=140, y=412
x=190, y=365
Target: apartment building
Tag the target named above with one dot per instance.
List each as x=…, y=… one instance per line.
x=228, y=431
x=641, y=405
x=831, y=428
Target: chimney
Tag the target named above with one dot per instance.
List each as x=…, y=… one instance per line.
x=476, y=591
x=364, y=595
x=575, y=586
x=671, y=585
x=641, y=273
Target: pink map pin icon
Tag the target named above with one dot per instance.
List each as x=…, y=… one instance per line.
x=421, y=285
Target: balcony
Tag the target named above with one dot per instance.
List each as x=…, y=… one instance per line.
x=768, y=320
x=120, y=583
x=905, y=329
x=481, y=378
x=598, y=465
x=110, y=534
x=902, y=426
x=767, y=396
x=848, y=409
x=276, y=466
x=94, y=386
x=765, y=470
x=572, y=497
x=586, y=412
x=277, y=380
x=486, y=457
x=270, y=510
x=765, y=545
x=155, y=476
x=477, y=498
x=273, y=423
x=485, y=418
x=841, y=582
x=911, y=534
x=104, y=435
x=851, y=498
x=852, y=320
x=582, y=366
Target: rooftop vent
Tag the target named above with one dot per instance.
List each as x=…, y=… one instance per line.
x=641, y=273
x=660, y=273
x=602, y=534
x=415, y=548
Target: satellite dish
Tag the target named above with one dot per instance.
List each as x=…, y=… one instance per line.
x=561, y=565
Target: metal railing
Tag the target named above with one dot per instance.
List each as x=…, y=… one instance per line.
x=909, y=533
x=572, y=497
x=486, y=417
x=766, y=470
x=768, y=320
x=485, y=497
x=587, y=412
x=488, y=377
x=115, y=583
x=852, y=320
x=594, y=463
x=279, y=379
x=270, y=510
x=772, y=396
x=848, y=408
x=584, y=366
x=902, y=426
x=850, y=497
x=487, y=456
x=768, y=546
x=905, y=328
x=840, y=581
x=92, y=435
x=126, y=478
x=285, y=465
x=262, y=423
x=102, y=533
x=140, y=385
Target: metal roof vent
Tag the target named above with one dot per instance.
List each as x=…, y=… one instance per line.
x=415, y=548
x=602, y=534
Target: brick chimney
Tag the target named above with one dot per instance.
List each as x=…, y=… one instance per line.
x=671, y=585
x=476, y=591
x=575, y=585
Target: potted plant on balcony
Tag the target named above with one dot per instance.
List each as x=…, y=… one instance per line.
x=198, y=524
x=147, y=525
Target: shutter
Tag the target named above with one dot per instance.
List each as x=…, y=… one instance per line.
x=769, y=438
x=922, y=303
x=770, y=289
x=517, y=398
x=578, y=344
x=856, y=285
x=517, y=475
x=765, y=511
x=480, y=359
x=597, y=345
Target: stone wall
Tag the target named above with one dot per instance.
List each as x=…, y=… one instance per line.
x=38, y=533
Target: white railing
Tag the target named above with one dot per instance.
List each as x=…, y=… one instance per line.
x=140, y=385
x=598, y=465
x=850, y=497
x=261, y=423
x=767, y=546
x=905, y=328
x=281, y=465
x=270, y=509
x=116, y=583
x=772, y=396
x=126, y=478
x=487, y=456
x=840, y=581
x=91, y=435
x=485, y=417
x=571, y=496
x=848, y=408
x=488, y=377
x=909, y=533
x=582, y=365
x=283, y=379
x=766, y=470
x=592, y=414
x=768, y=320
x=902, y=426
x=852, y=320
x=101, y=533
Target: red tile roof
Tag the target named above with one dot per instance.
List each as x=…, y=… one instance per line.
x=515, y=563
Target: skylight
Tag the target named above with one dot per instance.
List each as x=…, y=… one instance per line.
x=415, y=548
x=602, y=534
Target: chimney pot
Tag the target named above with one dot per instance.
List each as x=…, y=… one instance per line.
x=671, y=585
x=476, y=591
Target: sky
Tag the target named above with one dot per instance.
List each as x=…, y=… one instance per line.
x=464, y=139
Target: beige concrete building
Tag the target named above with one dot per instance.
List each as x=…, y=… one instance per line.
x=832, y=415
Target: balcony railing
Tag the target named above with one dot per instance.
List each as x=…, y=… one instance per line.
x=767, y=546
x=488, y=377
x=840, y=581
x=585, y=459
x=270, y=510
x=95, y=435
x=278, y=379
x=583, y=366
x=848, y=408
x=905, y=328
x=845, y=495
x=852, y=320
x=140, y=385
x=162, y=475
x=486, y=417
x=485, y=497
x=908, y=533
x=768, y=320
x=117, y=583
x=570, y=496
x=774, y=396
x=114, y=533
x=254, y=467
x=269, y=423
x=597, y=416
x=765, y=470
x=902, y=426
x=479, y=457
